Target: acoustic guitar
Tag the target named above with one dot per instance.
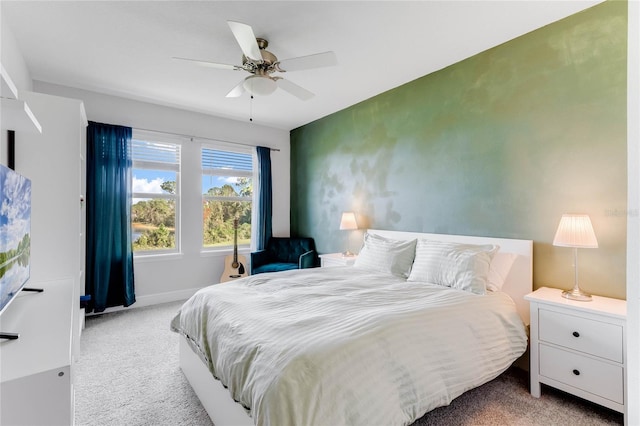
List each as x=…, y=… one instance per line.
x=234, y=263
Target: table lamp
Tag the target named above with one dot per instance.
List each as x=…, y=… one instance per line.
x=348, y=223
x=575, y=231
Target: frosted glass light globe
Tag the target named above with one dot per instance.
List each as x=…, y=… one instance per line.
x=259, y=85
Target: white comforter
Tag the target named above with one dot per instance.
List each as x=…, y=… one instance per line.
x=342, y=346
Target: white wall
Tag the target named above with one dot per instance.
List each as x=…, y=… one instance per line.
x=12, y=58
x=173, y=277
x=633, y=220
x=14, y=63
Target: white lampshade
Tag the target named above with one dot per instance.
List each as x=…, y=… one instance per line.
x=575, y=230
x=348, y=221
x=260, y=85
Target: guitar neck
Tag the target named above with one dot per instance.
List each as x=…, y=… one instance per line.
x=235, y=241
x=235, y=251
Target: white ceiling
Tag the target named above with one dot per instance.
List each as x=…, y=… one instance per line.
x=124, y=48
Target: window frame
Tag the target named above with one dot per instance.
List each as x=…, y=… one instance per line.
x=152, y=137
x=223, y=172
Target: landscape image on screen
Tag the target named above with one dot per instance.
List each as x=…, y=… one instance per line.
x=15, y=239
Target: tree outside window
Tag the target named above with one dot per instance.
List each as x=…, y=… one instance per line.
x=156, y=172
x=227, y=190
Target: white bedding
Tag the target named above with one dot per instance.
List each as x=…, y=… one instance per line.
x=338, y=346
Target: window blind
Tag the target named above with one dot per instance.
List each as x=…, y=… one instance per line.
x=155, y=153
x=226, y=163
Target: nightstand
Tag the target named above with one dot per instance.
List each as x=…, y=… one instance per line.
x=330, y=260
x=579, y=347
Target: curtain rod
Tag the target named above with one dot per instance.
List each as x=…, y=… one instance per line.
x=191, y=137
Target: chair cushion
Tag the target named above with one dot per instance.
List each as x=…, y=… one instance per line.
x=275, y=267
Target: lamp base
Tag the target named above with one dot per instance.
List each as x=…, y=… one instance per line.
x=576, y=294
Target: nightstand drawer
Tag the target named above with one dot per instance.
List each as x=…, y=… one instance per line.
x=593, y=337
x=596, y=377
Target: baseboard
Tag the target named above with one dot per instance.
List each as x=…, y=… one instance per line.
x=153, y=299
x=171, y=296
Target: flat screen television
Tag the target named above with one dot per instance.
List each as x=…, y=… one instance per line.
x=15, y=238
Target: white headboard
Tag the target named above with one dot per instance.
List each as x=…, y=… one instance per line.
x=517, y=284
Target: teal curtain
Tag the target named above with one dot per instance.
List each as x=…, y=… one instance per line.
x=109, y=263
x=264, y=207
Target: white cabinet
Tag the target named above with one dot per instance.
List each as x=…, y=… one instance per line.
x=36, y=370
x=579, y=347
x=54, y=161
x=336, y=259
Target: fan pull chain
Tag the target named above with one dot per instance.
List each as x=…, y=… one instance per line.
x=251, y=109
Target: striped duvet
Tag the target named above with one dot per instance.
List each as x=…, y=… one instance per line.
x=343, y=346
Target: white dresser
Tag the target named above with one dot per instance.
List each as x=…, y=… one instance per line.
x=36, y=370
x=579, y=347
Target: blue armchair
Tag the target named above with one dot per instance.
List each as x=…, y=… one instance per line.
x=283, y=254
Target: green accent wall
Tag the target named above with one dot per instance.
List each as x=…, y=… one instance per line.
x=500, y=144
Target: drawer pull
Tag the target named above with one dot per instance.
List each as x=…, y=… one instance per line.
x=576, y=334
x=576, y=372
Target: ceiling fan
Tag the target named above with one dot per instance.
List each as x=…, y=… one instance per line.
x=262, y=64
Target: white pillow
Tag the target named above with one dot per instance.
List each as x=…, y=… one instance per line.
x=499, y=269
x=461, y=266
x=386, y=255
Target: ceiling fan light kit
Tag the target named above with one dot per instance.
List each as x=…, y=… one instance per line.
x=261, y=63
x=259, y=85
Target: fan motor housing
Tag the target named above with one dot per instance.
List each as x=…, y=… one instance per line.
x=268, y=58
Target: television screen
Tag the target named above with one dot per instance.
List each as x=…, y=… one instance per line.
x=15, y=238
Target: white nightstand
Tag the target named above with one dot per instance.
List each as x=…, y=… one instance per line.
x=579, y=347
x=336, y=259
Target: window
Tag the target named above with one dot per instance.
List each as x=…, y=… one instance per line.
x=156, y=195
x=227, y=188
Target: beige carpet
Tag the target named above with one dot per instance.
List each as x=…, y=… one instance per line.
x=128, y=374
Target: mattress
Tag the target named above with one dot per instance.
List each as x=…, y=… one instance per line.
x=348, y=346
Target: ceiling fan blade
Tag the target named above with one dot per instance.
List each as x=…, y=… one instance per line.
x=246, y=39
x=294, y=89
x=237, y=91
x=319, y=60
x=209, y=64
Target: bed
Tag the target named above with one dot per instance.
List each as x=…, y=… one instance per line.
x=374, y=343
